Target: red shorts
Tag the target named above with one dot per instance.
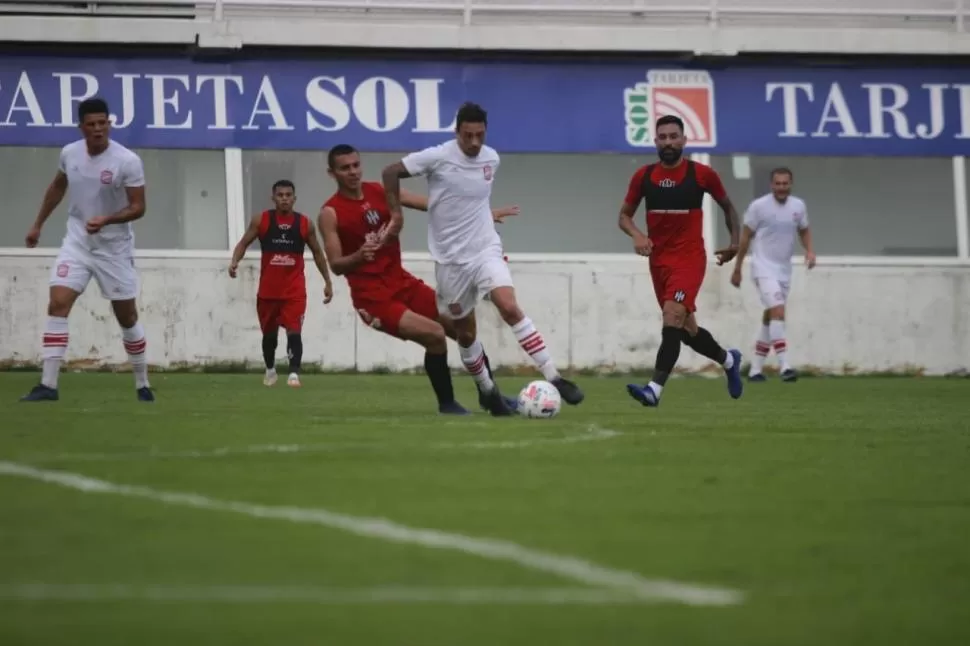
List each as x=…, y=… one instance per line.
x=275, y=313
x=678, y=282
x=382, y=307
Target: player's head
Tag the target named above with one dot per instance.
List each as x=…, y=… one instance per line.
x=668, y=135
x=343, y=165
x=781, y=181
x=470, y=125
x=93, y=117
x=284, y=195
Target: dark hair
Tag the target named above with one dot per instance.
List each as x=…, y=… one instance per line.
x=782, y=170
x=471, y=113
x=670, y=119
x=93, y=105
x=339, y=151
x=283, y=183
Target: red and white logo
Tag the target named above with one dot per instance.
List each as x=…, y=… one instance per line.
x=107, y=177
x=62, y=270
x=487, y=169
x=688, y=94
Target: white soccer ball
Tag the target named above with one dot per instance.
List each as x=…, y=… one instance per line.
x=539, y=399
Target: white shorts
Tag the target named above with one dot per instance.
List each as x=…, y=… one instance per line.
x=459, y=288
x=773, y=292
x=115, y=274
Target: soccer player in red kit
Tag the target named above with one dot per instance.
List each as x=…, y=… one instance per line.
x=283, y=235
x=387, y=297
x=673, y=190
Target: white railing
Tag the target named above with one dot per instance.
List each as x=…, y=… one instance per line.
x=951, y=14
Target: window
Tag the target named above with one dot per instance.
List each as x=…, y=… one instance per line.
x=857, y=206
x=569, y=202
x=186, y=193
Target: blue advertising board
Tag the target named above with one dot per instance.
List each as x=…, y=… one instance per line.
x=533, y=106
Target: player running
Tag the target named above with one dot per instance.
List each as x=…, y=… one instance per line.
x=107, y=193
x=772, y=221
x=466, y=248
x=283, y=235
x=674, y=193
x=386, y=296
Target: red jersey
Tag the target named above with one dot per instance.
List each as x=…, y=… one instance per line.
x=282, y=238
x=356, y=220
x=674, y=197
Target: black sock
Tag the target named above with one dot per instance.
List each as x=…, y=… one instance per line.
x=294, y=346
x=436, y=366
x=269, y=349
x=488, y=365
x=703, y=343
x=670, y=338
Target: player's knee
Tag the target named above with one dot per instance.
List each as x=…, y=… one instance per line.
x=61, y=302
x=505, y=302
x=465, y=336
x=776, y=313
x=433, y=338
x=58, y=308
x=674, y=314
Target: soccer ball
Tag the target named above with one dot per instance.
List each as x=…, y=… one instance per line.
x=539, y=399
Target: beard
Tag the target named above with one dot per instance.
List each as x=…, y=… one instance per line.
x=669, y=154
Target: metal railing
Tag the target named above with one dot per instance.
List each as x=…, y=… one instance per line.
x=934, y=14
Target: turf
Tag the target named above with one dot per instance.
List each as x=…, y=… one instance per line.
x=841, y=507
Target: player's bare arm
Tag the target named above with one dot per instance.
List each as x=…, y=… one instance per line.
x=420, y=203
x=339, y=263
x=320, y=260
x=641, y=243
x=731, y=220
x=132, y=212
x=805, y=235
x=52, y=198
x=391, y=178
x=747, y=233
x=248, y=238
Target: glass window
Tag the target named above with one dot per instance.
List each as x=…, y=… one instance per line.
x=857, y=206
x=569, y=202
x=186, y=192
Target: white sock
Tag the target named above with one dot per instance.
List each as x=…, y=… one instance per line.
x=135, y=345
x=657, y=388
x=54, y=349
x=776, y=329
x=532, y=342
x=728, y=360
x=761, y=349
x=473, y=357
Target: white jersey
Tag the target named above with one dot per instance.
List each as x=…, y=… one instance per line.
x=775, y=225
x=96, y=187
x=460, y=226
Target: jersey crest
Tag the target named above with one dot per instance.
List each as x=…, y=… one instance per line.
x=487, y=170
x=372, y=217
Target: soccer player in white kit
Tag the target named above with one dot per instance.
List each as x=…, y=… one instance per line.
x=773, y=221
x=469, y=260
x=107, y=192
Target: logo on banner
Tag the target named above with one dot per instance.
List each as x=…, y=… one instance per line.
x=688, y=94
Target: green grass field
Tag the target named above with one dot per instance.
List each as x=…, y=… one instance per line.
x=838, y=509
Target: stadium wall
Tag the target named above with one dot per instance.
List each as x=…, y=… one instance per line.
x=596, y=315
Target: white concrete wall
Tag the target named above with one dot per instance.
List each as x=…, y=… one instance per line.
x=593, y=315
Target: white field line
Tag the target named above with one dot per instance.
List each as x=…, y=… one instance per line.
x=312, y=594
x=567, y=567
x=591, y=434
